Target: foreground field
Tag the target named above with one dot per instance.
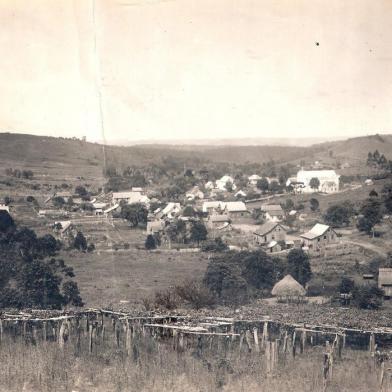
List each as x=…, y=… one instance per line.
x=155, y=366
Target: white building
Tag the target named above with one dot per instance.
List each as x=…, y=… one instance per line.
x=253, y=179
x=329, y=180
x=130, y=197
x=222, y=182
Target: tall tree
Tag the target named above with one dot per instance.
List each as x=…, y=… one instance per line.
x=314, y=183
x=298, y=266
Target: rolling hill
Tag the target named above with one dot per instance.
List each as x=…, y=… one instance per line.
x=20, y=150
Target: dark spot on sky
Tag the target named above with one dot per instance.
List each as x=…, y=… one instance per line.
x=317, y=43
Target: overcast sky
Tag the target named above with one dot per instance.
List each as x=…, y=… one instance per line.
x=174, y=69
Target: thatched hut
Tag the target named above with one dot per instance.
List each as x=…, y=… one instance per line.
x=288, y=290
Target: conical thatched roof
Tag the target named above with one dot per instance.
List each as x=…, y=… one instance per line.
x=288, y=286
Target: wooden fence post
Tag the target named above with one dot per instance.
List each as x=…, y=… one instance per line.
x=256, y=339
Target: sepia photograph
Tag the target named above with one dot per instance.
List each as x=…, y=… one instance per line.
x=196, y=196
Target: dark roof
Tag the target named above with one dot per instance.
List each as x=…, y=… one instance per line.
x=267, y=228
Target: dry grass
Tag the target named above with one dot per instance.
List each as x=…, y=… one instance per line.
x=155, y=366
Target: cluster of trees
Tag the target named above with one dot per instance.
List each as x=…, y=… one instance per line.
x=378, y=161
x=31, y=275
x=363, y=296
x=136, y=214
x=339, y=215
x=234, y=276
x=26, y=174
x=179, y=232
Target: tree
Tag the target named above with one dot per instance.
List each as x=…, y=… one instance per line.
x=215, y=245
x=80, y=241
x=289, y=205
x=72, y=294
x=229, y=186
x=373, y=193
x=371, y=214
x=198, y=232
x=346, y=285
x=195, y=293
x=298, y=266
x=368, y=297
x=259, y=270
x=58, y=201
x=188, y=211
x=314, y=204
x=388, y=204
x=262, y=184
x=6, y=221
x=338, y=215
x=136, y=214
x=30, y=276
x=150, y=242
x=314, y=183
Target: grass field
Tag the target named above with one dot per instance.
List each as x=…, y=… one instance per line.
x=108, y=277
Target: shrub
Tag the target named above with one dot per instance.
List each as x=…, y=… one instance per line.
x=196, y=294
x=216, y=245
x=368, y=297
x=80, y=241
x=167, y=299
x=150, y=242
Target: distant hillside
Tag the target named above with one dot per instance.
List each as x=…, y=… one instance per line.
x=52, y=152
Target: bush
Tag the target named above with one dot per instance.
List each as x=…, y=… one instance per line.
x=196, y=294
x=150, y=242
x=90, y=248
x=80, y=241
x=368, y=297
x=216, y=245
x=167, y=299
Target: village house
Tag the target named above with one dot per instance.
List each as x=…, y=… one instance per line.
x=385, y=281
x=319, y=236
x=268, y=232
x=99, y=208
x=218, y=222
x=236, y=209
x=111, y=209
x=194, y=193
x=170, y=211
x=155, y=227
x=64, y=195
x=213, y=206
x=329, y=180
x=253, y=179
x=209, y=185
x=222, y=182
x=3, y=207
x=130, y=197
x=63, y=227
x=240, y=193
x=272, y=212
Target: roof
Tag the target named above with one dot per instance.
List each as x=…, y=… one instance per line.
x=213, y=204
x=112, y=208
x=219, y=218
x=267, y=227
x=316, y=231
x=288, y=286
x=307, y=175
x=170, y=207
x=226, y=178
x=254, y=177
x=384, y=276
x=155, y=226
x=272, y=244
x=65, y=225
x=99, y=205
x=236, y=206
x=272, y=208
